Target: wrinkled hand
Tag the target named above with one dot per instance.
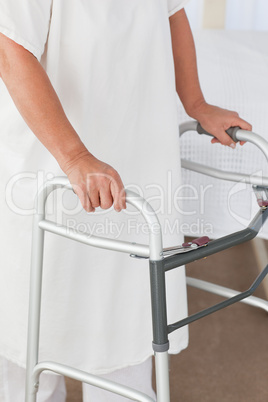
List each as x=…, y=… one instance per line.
x=95, y=183
x=216, y=121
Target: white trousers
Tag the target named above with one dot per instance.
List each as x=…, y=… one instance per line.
x=52, y=387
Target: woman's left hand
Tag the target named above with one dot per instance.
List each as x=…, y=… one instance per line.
x=216, y=121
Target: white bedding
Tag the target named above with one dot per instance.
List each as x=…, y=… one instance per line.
x=233, y=69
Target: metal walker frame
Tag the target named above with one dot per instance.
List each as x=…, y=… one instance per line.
x=158, y=265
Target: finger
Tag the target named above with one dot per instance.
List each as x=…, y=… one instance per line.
x=84, y=199
x=106, y=199
x=243, y=124
x=94, y=197
x=88, y=206
x=225, y=139
x=81, y=194
x=118, y=194
x=215, y=141
x=122, y=197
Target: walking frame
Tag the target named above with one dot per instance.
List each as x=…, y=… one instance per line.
x=160, y=261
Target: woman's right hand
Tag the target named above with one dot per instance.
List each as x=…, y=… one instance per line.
x=96, y=183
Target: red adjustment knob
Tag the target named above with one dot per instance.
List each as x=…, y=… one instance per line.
x=263, y=203
x=201, y=241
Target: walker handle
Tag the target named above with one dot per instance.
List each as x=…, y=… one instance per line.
x=237, y=135
x=231, y=132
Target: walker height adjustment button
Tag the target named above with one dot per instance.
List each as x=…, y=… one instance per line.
x=201, y=241
x=186, y=247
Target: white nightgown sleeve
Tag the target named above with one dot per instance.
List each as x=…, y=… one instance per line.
x=175, y=5
x=26, y=22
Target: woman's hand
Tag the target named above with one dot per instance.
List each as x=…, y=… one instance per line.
x=216, y=121
x=95, y=183
x=213, y=119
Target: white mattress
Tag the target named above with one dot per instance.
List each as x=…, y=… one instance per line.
x=233, y=69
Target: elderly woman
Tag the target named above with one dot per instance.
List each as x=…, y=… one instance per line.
x=89, y=89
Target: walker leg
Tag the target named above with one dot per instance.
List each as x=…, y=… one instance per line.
x=34, y=309
x=160, y=329
x=162, y=376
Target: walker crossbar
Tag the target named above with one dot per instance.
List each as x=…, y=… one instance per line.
x=89, y=239
x=220, y=306
x=220, y=244
x=91, y=379
x=223, y=175
x=226, y=292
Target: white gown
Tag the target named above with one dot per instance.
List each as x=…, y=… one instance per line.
x=111, y=65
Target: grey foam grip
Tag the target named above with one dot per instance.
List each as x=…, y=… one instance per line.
x=231, y=132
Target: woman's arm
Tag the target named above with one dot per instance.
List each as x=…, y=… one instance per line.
x=215, y=120
x=96, y=183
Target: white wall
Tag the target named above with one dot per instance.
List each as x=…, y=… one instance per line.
x=239, y=14
x=194, y=10
x=247, y=14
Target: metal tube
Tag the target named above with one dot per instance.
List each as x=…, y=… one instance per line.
x=34, y=308
x=159, y=306
x=91, y=379
x=190, y=125
x=223, y=175
x=220, y=306
x=155, y=233
x=258, y=220
x=162, y=376
x=256, y=139
x=86, y=238
x=220, y=244
x=213, y=247
x=226, y=292
x=241, y=135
